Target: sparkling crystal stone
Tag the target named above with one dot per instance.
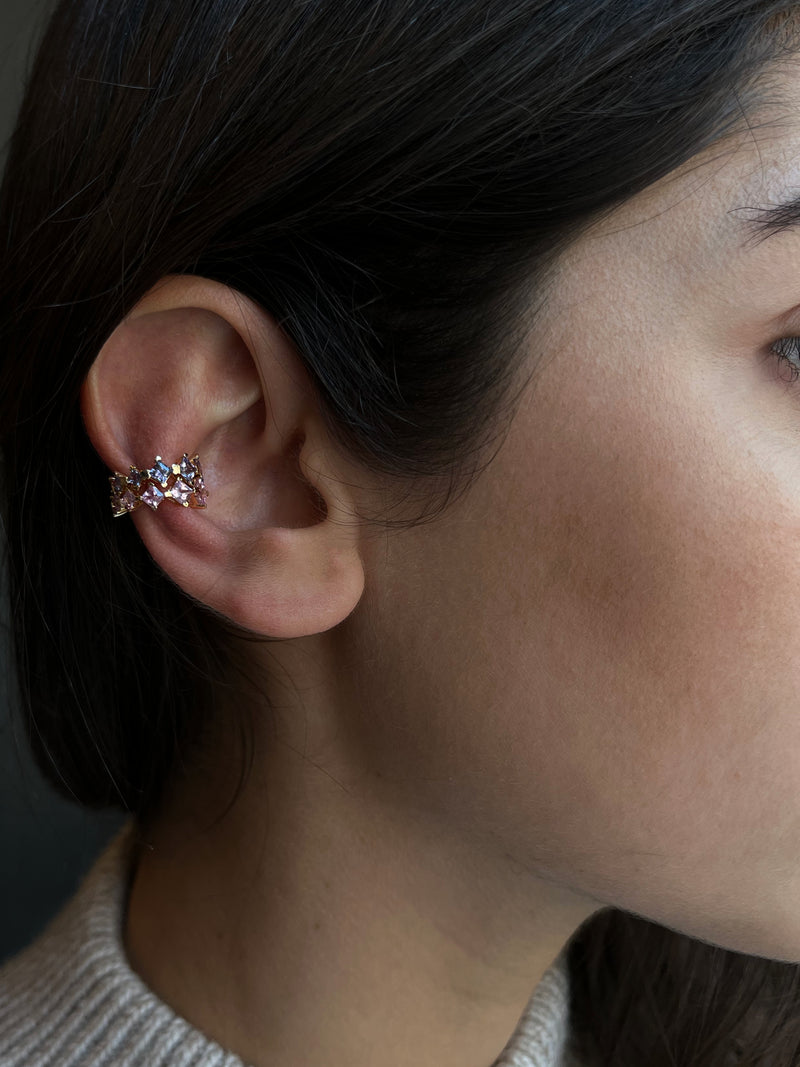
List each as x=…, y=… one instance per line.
x=160, y=472
x=117, y=484
x=152, y=496
x=200, y=494
x=180, y=491
x=118, y=507
x=135, y=478
x=130, y=502
x=187, y=468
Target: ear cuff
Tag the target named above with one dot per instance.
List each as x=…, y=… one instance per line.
x=182, y=483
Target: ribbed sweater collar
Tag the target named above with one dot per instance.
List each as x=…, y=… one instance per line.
x=72, y=999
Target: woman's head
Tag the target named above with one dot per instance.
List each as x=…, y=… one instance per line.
x=487, y=265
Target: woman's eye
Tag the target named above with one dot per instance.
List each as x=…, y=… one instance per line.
x=787, y=349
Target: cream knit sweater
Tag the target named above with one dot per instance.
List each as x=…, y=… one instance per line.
x=71, y=998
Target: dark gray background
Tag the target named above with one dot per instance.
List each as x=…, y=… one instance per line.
x=19, y=20
x=46, y=843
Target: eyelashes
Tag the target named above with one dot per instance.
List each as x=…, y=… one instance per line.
x=787, y=352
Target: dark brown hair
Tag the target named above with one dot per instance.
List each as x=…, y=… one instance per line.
x=387, y=178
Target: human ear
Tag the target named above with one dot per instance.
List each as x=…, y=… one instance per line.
x=197, y=367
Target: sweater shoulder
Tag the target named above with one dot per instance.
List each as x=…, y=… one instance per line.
x=71, y=999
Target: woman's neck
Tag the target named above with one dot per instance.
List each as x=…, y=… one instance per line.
x=320, y=921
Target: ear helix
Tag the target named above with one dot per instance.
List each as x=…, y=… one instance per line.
x=182, y=483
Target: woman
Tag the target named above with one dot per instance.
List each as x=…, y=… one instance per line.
x=438, y=626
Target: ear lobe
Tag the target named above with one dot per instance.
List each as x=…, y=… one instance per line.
x=277, y=581
x=197, y=368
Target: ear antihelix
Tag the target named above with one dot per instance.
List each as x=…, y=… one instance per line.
x=182, y=483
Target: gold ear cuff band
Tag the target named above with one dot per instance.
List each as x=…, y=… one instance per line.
x=182, y=483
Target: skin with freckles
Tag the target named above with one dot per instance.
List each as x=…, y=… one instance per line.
x=578, y=687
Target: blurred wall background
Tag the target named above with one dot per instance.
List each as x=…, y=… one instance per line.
x=46, y=843
x=19, y=20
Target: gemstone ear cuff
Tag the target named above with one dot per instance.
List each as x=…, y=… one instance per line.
x=182, y=483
